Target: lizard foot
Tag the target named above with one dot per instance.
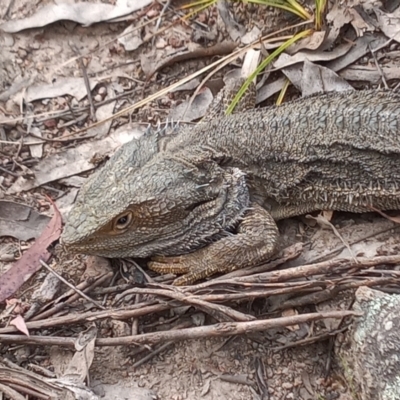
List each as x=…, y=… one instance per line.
x=193, y=265
x=255, y=241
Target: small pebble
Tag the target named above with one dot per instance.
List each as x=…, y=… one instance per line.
x=34, y=46
x=22, y=53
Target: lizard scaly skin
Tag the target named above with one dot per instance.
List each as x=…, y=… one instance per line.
x=206, y=199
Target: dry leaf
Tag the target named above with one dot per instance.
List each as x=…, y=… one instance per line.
x=197, y=109
x=389, y=23
x=29, y=263
x=312, y=42
x=20, y=221
x=317, y=79
x=285, y=60
x=131, y=38
x=82, y=13
x=72, y=161
x=75, y=87
x=19, y=323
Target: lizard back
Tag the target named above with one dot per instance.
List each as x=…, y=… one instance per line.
x=338, y=151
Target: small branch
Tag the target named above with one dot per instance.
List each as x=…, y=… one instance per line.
x=51, y=270
x=134, y=311
x=219, y=312
x=216, y=330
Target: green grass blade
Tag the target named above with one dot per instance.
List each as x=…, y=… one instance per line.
x=263, y=64
x=289, y=5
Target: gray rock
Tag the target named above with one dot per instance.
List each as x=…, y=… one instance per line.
x=370, y=353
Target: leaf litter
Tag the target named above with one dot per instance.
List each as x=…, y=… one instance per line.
x=59, y=110
x=29, y=263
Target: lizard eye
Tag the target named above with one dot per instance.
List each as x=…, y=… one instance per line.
x=123, y=221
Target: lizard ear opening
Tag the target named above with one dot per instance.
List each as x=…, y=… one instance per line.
x=123, y=221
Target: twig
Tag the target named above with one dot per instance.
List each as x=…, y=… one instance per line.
x=287, y=254
x=378, y=67
x=11, y=393
x=324, y=295
x=219, y=312
x=309, y=340
x=321, y=268
x=153, y=353
x=339, y=249
x=290, y=253
x=83, y=287
x=71, y=286
x=322, y=221
x=88, y=90
x=14, y=174
x=216, y=330
x=134, y=311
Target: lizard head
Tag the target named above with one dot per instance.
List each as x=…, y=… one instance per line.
x=166, y=207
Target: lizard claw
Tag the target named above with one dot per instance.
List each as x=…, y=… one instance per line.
x=187, y=264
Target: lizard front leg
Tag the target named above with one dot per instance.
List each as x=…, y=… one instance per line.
x=255, y=241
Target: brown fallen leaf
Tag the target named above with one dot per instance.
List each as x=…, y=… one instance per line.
x=29, y=263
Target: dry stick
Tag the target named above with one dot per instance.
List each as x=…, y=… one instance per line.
x=134, y=311
x=288, y=274
x=287, y=254
x=378, y=67
x=15, y=175
x=82, y=286
x=378, y=271
x=219, y=312
x=71, y=286
x=88, y=90
x=313, y=339
x=28, y=380
x=324, y=295
x=147, y=308
x=299, y=288
x=321, y=268
x=339, y=249
x=322, y=221
x=152, y=354
x=21, y=387
x=161, y=348
x=216, y=330
x=290, y=253
x=111, y=289
x=370, y=282
x=11, y=393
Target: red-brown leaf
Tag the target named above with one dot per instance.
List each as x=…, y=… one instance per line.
x=29, y=263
